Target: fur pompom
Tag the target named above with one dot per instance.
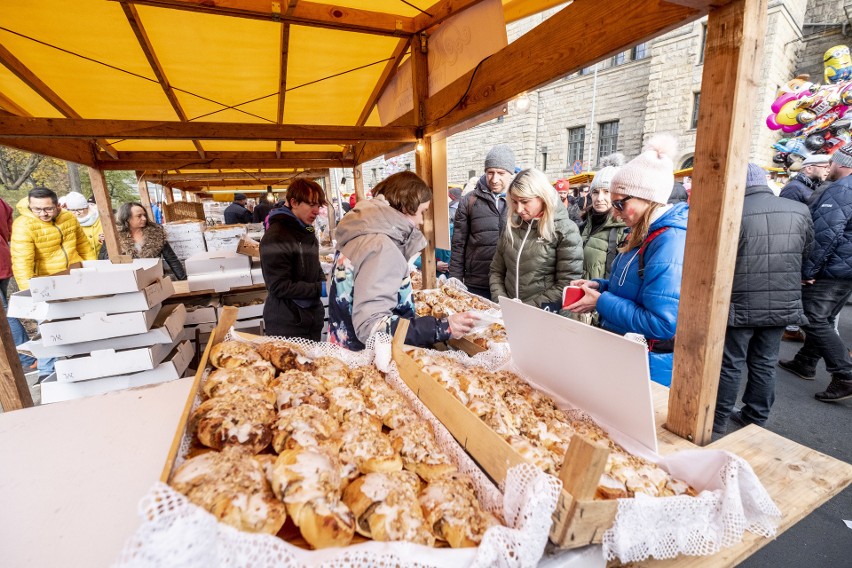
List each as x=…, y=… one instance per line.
x=615, y=160
x=663, y=145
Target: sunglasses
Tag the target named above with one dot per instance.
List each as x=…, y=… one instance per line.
x=619, y=203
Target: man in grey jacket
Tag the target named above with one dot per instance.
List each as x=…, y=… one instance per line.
x=775, y=235
x=480, y=220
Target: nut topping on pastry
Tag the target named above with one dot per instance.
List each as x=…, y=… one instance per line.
x=236, y=419
x=285, y=356
x=232, y=354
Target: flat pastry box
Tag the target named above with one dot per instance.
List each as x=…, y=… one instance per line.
x=110, y=362
x=213, y=262
x=220, y=281
x=201, y=311
x=97, y=325
x=224, y=237
x=249, y=304
x=170, y=369
x=97, y=278
x=167, y=327
x=189, y=331
x=22, y=305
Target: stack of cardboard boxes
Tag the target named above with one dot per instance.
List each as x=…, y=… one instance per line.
x=106, y=326
x=186, y=237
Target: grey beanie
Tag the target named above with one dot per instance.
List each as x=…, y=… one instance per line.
x=502, y=157
x=755, y=175
x=843, y=156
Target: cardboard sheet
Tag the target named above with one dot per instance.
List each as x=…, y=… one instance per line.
x=585, y=367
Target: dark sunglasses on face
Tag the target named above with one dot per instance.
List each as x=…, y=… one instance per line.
x=619, y=203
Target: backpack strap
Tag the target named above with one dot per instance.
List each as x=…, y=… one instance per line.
x=645, y=244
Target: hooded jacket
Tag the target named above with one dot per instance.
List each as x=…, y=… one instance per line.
x=775, y=234
x=93, y=233
x=154, y=245
x=648, y=305
x=236, y=213
x=600, y=243
x=476, y=232
x=5, y=236
x=831, y=256
x=43, y=248
x=533, y=270
x=289, y=259
x=800, y=188
x=370, y=283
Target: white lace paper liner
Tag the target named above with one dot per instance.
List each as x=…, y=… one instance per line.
x=176, y=532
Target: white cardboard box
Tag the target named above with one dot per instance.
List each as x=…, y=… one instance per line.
x=221, y=281
x=22, y=305
x=246, y=312
x=248, y=324
x=172, y=368
x=184, y=230
x=189, y=330
x=256, y=276
x=213, y=262
x=97, y=278
x=166, y=329
x=225, y=238
x=109, y=362
x=97, y=325
x=203, y=311
x=188, y=248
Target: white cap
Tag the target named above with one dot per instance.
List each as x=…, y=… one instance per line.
x=75, y=201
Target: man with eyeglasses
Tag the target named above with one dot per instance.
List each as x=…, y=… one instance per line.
x=45, y=238
x=813, y=173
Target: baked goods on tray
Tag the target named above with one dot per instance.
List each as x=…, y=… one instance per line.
x=335, y=449
x=540, y=432
x=446, y=300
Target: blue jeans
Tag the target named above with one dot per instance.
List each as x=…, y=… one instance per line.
x=19, y=334
x=822, y=302
x=757, y=348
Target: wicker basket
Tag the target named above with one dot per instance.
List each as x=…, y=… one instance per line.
x=180, y=210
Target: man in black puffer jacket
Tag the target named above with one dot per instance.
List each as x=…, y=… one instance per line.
x=480, y=220
x=766, y=296
x=813, y=173
x=827, y=275
x=289, y=259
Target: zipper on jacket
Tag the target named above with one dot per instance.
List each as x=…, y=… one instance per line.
x=518, y=262
x=62, y=243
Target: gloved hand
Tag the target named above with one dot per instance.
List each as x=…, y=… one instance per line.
x=324, y=292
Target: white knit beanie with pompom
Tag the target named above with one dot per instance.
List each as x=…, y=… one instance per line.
x=650, y=175
x=609, y=166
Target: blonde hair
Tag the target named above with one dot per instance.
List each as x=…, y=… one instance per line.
x=640, y=230
x=529, y=184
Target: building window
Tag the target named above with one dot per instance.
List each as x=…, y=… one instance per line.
x=688, y=163
x=696, y=98
x=608, y=139
x=544, y=159
x=471, y=173
x=639, y=52
x=576, y=136
x=587, y=70
x=703, y=43
x=619, y=59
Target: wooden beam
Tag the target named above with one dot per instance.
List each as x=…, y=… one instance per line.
x=226, y=155
x=440, y=11
x=387, y=74
x=104, y=202
x=259, y=177
x=29, y=127
x=423, y=155
x=148, y=49
x=78, y=151
x=215, y=164
x=303, y=13
x=145, y=197
x=200, y=185
x=559, y=46
x=14, y=390
x=284, y=48
x=168, y=194
x=23, y=73
x=732, y=65
x=358, y=178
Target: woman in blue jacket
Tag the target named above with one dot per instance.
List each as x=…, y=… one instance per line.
x=643, y=290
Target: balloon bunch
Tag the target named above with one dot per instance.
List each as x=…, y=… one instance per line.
x=813, y=115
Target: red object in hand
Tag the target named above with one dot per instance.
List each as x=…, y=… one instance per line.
x=571, y=295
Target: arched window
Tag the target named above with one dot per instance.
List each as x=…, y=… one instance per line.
x=687, y=163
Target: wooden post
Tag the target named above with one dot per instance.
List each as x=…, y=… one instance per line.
x=332, y=212
x=168, y=194
x=145, y=197
x=358, y=178
x=733, y=56
x=14, y=391
x=423, y=154
x=104, y=201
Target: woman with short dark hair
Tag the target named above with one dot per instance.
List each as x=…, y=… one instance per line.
x=139, y=237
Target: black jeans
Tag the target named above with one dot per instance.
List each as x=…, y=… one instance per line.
x=484, y=292
x=823, y=301
x=757, y=347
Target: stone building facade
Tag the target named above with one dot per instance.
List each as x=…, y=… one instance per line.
x=621, y=102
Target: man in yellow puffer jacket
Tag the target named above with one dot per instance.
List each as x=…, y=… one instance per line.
x=45, y=238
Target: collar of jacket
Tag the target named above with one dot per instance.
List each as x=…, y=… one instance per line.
x=154, y=239
x=755, y=189
x=811, y=183
x=285, y=212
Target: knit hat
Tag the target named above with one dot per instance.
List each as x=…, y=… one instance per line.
x=74, y=201
x=501, y=157
x=816, y=160
x=454, y=193
x=609, y=166
x=755, y=175
x=650, y=175
x=843, y=156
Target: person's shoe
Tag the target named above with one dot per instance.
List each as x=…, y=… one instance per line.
x=792, y=366
x=797, y=335
x=738, y=419
x=838, y=389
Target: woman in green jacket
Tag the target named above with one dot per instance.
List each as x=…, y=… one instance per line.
x=540, y=252
x=603, y=231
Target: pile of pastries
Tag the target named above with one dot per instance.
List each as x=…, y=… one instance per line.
x=334, y=449
x=446, y=300
x=540, y=432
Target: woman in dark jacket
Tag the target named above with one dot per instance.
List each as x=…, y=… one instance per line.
x=603, y=231
x=289, y=258
x=139, y=237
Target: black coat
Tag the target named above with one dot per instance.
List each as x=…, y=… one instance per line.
x=775, y=235
x=476, y=231
x=236, y=213
x=831, y=257
x=800, y=188
x=261, y=210
x=289, y=259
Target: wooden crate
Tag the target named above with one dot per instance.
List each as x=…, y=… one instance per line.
x=183, y=210
x=579, y=520
x=466, y=345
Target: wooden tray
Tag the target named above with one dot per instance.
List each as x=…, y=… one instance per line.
x=579, y=520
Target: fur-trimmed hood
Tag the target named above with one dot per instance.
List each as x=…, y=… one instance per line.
x=152, y=245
